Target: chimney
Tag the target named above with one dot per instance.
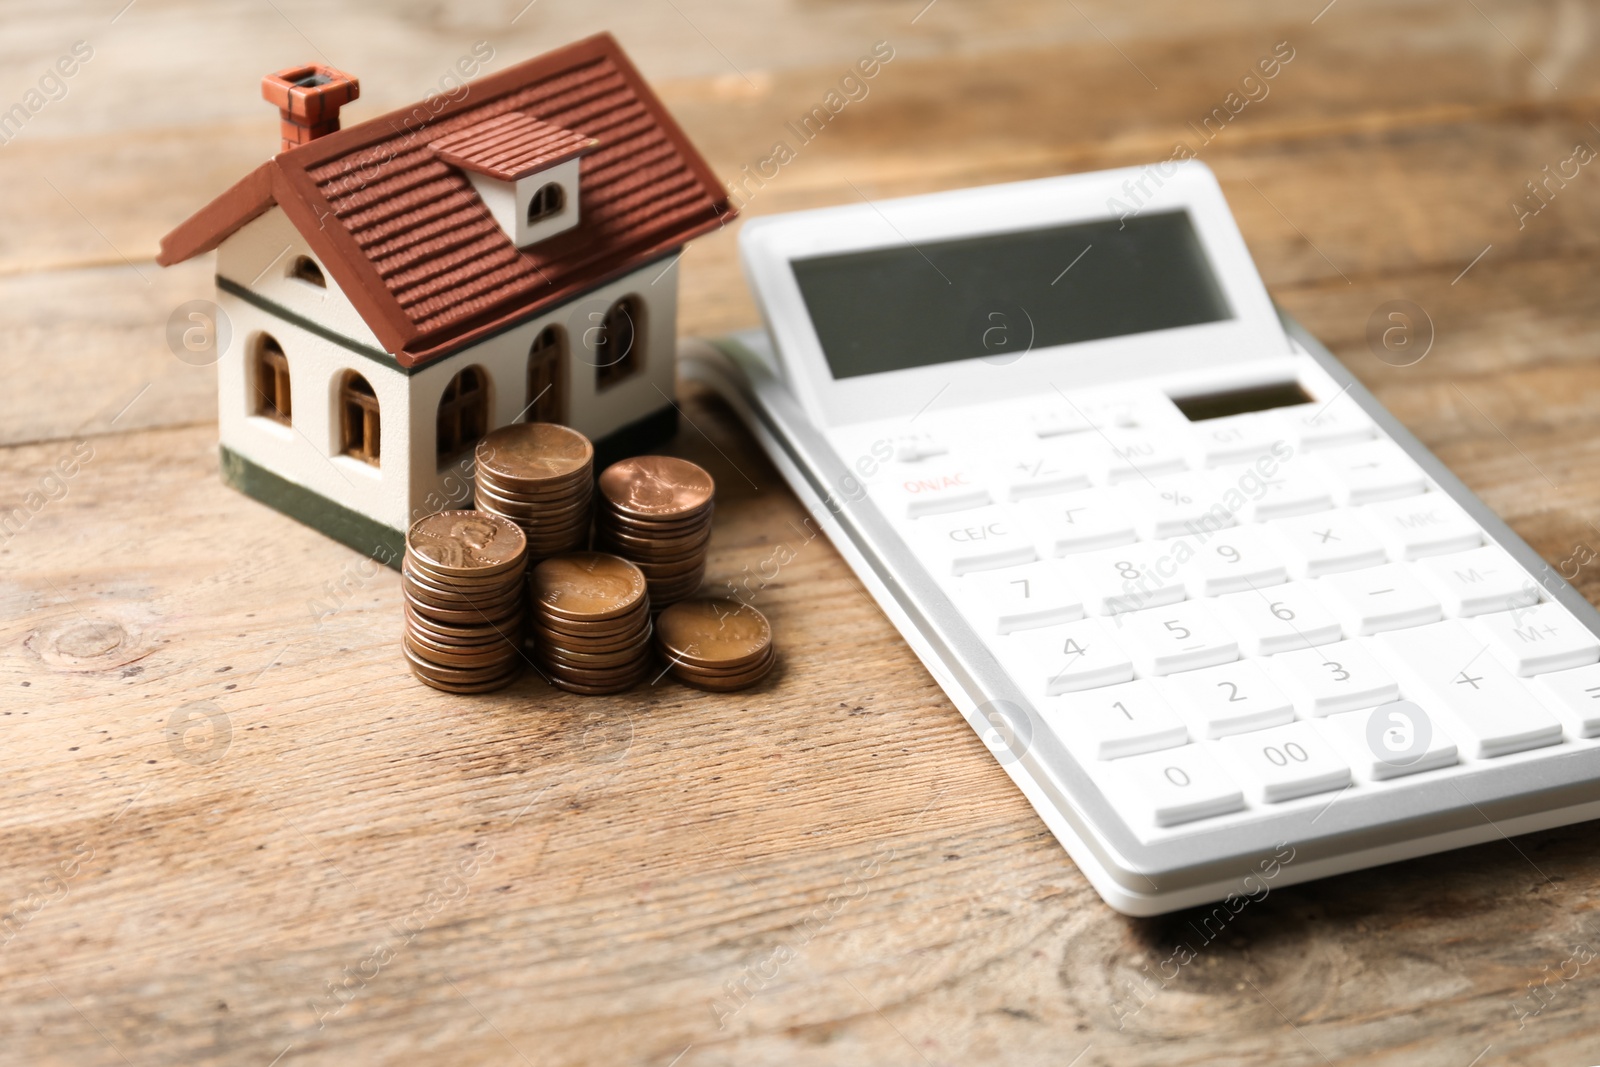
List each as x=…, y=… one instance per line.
x=308, y=99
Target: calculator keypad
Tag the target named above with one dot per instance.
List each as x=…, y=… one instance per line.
x=1236, y=615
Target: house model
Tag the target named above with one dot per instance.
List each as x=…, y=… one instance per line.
x=399, y=288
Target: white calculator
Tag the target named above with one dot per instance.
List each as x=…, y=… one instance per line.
x=1226, y=624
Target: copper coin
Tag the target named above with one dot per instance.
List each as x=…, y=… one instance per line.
x=597, y=690
x=459, y=675
x=467, y=616
x=626, y=657
x=428, y=645
x=581, y=488
x=633, y=619
x=480, y=687
x=595, y=642
x=608, y=523
x=448, y=634
x=467, y=543
x=486, y=601
x=534, y=452
x=691, y=520
x=726, y=684
x=653, y=487
x=685, y=667
x=586, y=586
x=455, y=583
x=550, y=640
x=656, y=546
x=456, y=659
x=492, y=499
x=714, y=631
x=599, y=680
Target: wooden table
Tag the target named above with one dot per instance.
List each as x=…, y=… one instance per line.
x=332, y=864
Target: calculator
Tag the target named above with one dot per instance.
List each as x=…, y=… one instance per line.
x=1220, y=617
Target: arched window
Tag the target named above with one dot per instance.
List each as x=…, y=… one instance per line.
x=547, y=376
x=547, y=202
x=359, y=431
x=305, y=269
x=463, y=412
x=619, y=343
x=271, y=373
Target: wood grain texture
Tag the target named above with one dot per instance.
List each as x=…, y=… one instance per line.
x=232, y=829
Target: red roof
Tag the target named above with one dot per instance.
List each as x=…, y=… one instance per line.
x=511, y=145
x=406, y=237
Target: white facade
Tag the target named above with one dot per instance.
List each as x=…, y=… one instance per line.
x=409, y=481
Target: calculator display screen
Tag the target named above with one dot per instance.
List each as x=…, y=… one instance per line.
x=1000, y=295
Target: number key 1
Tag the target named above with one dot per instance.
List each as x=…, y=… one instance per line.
x=1117, y=721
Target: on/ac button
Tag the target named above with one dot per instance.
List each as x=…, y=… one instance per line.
x=935, y=490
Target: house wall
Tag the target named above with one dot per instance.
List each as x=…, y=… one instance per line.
x=508, y=202
x=259, y=257
x=410, y=482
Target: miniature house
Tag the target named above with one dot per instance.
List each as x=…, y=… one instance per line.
x=401, y=287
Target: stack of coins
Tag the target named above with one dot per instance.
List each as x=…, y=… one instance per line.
x=715, y=643
x=541, y=477
x=591, y=622
x=463, y=581
x=655, y=511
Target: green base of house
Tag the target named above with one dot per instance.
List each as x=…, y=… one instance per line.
x=373, y=538
x=367, y=536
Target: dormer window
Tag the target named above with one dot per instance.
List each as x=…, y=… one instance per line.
x=547, y=202
x=525, y=171
x=305, y=269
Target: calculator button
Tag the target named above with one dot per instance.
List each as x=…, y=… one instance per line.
x=1114, y=722
x=1575, y=697
x=1019, y=598
x=1082, y=522
x=1327, y=543
x=1379, y=598
x=1058, y=422
x=983, y=539
x=1334, y=678
x=1233, y=561
x=934, y=489
x=1376, y=470
x=1171, y=787
x=1430, y=525
x=1039, y=472
x=1498, y=714
x=1065, y=659
x=1478, y=582
x=1230, y=440
x=1123, y=455
x=1291, y=489
x=1328, y=424
x=1234, y=698
x=1539, y=639
x=1122, y=579
x=1182, y=637
x=1284, y=763
x=1278, y=619
x=908, y=448
x=1391, y=741
x=1173, y=505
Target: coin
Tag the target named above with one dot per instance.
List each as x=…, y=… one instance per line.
x=466, y=543
x=713, y=632
x=587, y=585
x=726, y=683
x=534, y=452
x=620, y=686
x=653, y=487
